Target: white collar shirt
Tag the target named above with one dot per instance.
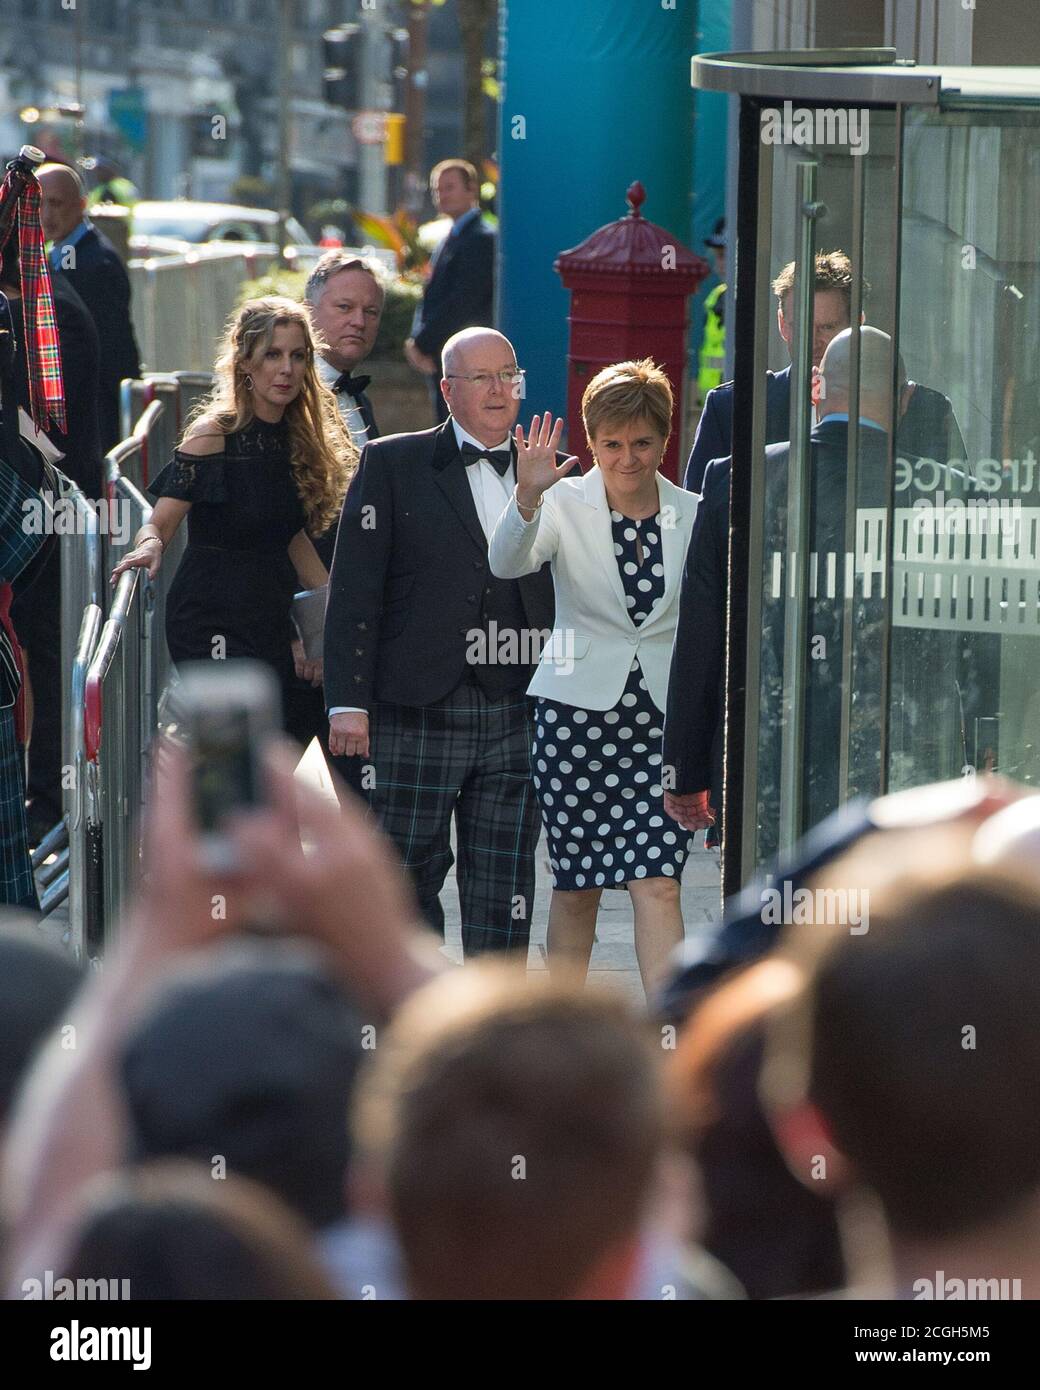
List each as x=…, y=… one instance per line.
x=348, y=407
x=492, y=491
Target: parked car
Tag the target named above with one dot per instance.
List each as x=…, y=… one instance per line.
x=161, y=229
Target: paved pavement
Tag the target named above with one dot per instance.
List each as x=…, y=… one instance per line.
x=613, y=956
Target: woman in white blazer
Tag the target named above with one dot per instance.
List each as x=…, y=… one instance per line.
x=616, y=539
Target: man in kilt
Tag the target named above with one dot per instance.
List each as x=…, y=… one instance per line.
x=428, y=655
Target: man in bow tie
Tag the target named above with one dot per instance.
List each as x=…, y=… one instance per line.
x=428, y=655
x=345, y=296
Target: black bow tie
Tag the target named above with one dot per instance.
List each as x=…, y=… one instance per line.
x=353, y=385
x=499, y=459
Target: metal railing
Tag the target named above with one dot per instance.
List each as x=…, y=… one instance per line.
x=115, y=670
x=81, y=870
x=181, y=304
x=113, y=748
x=179, y=392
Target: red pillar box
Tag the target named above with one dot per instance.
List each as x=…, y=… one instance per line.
x=630, y=283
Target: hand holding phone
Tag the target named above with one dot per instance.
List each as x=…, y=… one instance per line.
x=229, y=712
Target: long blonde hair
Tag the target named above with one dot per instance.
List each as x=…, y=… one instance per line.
x=323, y=455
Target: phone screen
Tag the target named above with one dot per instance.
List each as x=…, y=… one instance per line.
x=225, y=772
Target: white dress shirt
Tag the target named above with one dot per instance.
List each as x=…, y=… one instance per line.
x=348, y=406
x=491, y=495
x=491, y=490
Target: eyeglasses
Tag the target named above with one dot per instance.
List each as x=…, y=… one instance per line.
x=509, y=376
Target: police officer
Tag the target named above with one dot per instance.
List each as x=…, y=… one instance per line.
x=712, y=361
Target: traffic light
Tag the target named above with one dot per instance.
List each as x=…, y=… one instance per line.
x=394, y=148
x=341, y=48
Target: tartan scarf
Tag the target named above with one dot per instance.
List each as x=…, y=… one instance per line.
x=43, y=360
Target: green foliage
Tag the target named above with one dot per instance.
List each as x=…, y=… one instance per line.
x=333, y=212
x=403, y=292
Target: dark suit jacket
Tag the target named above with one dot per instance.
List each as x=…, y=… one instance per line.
x=80, y=354
x=696, y=683
x=460, y=292
x=929, y=428
x=714, y=437
x=695, y=689
x=410, y=566
x=367, y=415
x=101, y=281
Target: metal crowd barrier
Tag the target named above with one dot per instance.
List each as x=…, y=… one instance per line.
x=179, y=392
x=114, y=752
x=181, y=304
x=115, y=670
x=58, y=866
x=83, y=870
x=118, y=706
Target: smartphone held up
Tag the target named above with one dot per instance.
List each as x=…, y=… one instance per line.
x=226, y=712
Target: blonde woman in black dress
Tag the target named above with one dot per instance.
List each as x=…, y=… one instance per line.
x=616, y=539
x=263, y=468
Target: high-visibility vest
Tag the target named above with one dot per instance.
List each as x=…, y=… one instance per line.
x=712, y=360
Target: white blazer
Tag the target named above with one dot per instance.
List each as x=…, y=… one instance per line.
x=589, y=655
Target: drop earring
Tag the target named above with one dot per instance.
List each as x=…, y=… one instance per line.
x=247, y=382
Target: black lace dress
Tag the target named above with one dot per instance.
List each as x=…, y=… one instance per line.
x=233, y=589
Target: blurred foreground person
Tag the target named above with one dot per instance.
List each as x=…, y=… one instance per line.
x=252, y=1058
x=518, y=1132
x=83, y=1109
x=904, y=1075
x=37, y=983
x=887, y=824
x=778, y=1238
x=262, y=469
x=168, y=1231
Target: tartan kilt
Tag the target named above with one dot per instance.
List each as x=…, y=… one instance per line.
x=17, y=886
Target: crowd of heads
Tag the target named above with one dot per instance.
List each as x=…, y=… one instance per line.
x=279, y=1127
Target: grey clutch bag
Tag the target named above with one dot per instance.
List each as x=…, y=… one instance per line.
x=308, y=615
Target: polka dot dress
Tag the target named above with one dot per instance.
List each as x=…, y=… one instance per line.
x=598, y=772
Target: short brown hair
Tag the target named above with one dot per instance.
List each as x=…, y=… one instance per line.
x=464, y=167
x=628, y=391
x=833, y=272
x=946, y=1134
x=518, y=1129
